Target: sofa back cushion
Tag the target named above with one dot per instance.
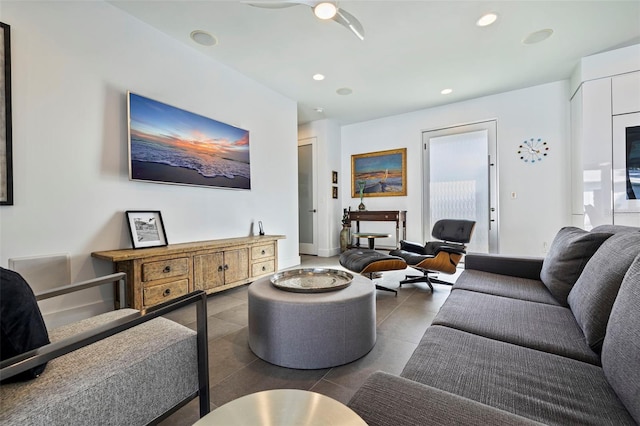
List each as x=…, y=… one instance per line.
x=592, y=296
x=22, y=327
x=569, y=253
x=621, y=347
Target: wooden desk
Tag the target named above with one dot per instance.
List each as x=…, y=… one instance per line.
x=396, y=216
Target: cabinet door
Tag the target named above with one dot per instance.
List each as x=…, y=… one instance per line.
x=208, y=270
x=236, y=265
x=626, y=93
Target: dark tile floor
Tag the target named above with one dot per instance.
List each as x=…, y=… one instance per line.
x=235, y=371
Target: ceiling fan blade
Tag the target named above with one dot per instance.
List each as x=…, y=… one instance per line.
x=350, y=22
x=266, y=4
x=271, y=4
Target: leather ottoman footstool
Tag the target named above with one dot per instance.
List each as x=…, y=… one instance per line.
x=312, y=330
x=370, y=262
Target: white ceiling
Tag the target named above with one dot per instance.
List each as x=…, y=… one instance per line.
x=411, y=51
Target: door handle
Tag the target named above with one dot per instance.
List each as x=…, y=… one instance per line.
x=312, y=211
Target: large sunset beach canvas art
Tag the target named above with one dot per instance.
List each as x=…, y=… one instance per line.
x=171, y=145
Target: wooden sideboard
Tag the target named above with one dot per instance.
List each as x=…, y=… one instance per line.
x=156, y=275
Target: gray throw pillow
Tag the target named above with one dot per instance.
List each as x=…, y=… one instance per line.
x=570, y=251
x=621, y=348
x=592, y=296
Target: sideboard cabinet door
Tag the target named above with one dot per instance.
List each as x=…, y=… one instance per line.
x=208, y=270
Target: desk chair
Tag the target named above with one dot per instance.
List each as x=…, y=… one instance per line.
x=437, y=256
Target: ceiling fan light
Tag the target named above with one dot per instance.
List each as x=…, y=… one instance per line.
x=487, y=19
x=325, y=10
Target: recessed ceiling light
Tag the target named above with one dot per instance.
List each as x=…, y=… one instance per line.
x=344, y=91
x=203, y=38
x=318, y=109
x=446, y=91
x=325, y=10
x=538, y=36
x=318, y=77
x=487, y=19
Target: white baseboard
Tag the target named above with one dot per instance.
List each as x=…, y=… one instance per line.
x=329, y=252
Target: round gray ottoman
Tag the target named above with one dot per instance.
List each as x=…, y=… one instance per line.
x=312, y=330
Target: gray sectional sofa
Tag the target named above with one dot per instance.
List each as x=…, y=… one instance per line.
x=527, y=341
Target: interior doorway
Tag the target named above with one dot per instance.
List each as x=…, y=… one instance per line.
x=460, y=181
x=307, y=199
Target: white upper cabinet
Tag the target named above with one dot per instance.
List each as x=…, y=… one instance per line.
x=625, y=90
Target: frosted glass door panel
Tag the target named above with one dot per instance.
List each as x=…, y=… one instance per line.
x=459, y=182
x=307, y=202
x=305, y=193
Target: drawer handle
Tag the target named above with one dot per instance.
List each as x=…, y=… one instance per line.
x=166, y=292
x=264, y=268
x=226, y=267
x=167, y=269
x=264, y=252
x=220, y=268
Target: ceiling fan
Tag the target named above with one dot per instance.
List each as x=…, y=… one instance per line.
x=322, y=10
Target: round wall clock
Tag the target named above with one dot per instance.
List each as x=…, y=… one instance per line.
x=533, y=150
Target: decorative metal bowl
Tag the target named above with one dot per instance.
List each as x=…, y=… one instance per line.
x=311, y=280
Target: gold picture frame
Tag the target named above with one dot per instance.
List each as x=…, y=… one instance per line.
x=379, y=174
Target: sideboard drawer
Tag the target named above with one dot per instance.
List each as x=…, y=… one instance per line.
x=165, y=269
x=263, y=252
x=261, y=268
x=163, y=292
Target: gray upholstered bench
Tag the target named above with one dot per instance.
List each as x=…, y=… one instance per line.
x=370, y=261
x=312, y=330
x=118, y=368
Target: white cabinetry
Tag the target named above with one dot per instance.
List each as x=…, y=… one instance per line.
x=591, y=117
x=625, y=91
x=596, y=106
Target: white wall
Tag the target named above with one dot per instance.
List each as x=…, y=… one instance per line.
x=329, y=213
x=72, y=63
x=542, y=206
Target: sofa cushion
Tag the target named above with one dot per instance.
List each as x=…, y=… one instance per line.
x=540, y=386
x=614, y=229
x=385, y=399
x=568, y=254
x=510, y=320
x=621, y=347
x=504, y=285
x=592, y=296
x=22, y=327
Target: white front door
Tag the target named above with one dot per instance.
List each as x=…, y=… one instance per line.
x=460, y=181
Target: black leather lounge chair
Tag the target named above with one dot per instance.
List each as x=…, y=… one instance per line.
x=437, y=256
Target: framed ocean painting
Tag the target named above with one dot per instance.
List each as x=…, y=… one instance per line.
x=379, y=174
x=174, y=146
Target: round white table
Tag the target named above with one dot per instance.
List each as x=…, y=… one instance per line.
x=282, y=407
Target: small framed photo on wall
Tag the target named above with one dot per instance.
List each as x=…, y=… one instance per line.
x=334, y=192
x=146, y=228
